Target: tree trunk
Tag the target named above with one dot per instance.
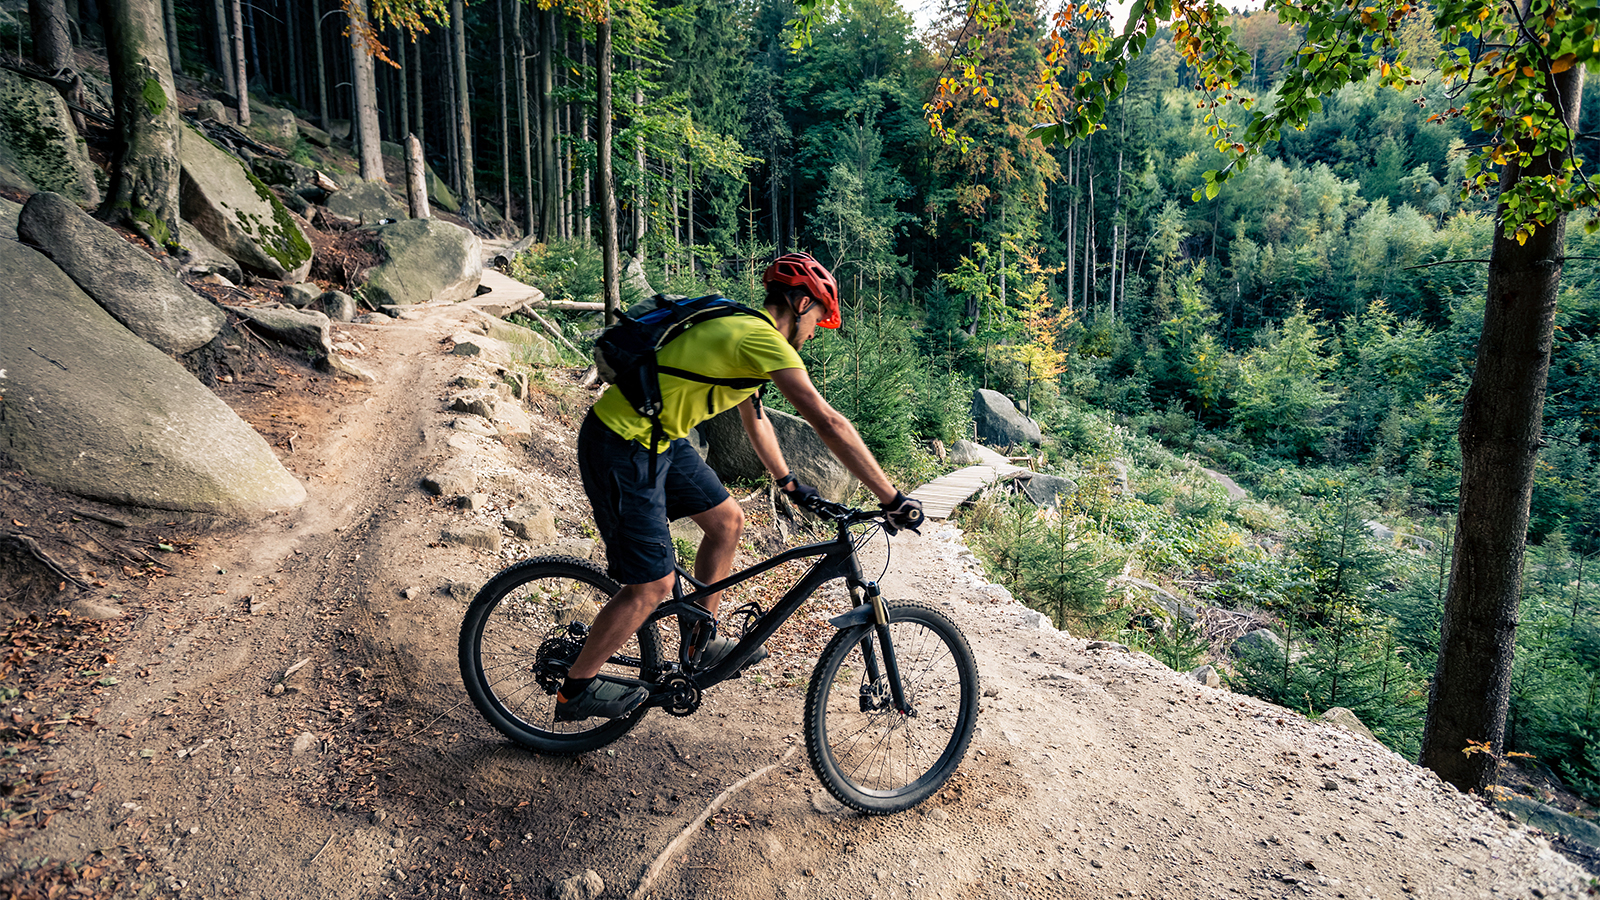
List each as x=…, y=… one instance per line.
x=402, y=84
x=224, y=48
x=144, y=171
x=365, y=101
x=416, y=179
x=52, y=49
x=322, y=70
x=584, y=208
x=469, y=188
x=241, y=82
x=688, y=218
x=608, y=193
x=549, y=175
x=1500, y=433
x=416, y=91
x=566, y=144
x=524, y=141
x=505, y=127
x=169, y=11
x=641, y=191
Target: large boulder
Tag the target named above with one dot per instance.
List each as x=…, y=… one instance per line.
x=303, y=181
x=425, y=260
x=1047, y=490
x=201, y=257
x=39, y=143
x=125, y=280
x=91, y=408
x=303, y=328
x=1000, y=423
x=237, y=213
x=274, y=124
x=732, y=457
x=439, y=193
x=9, y=212
x=365, y=203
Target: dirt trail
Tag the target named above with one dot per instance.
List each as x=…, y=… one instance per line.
x=1095, y=772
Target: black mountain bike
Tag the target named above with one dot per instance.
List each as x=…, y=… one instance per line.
x=889, y=711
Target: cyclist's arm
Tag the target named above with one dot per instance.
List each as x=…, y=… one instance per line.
x=835, y=430
x=762, y=440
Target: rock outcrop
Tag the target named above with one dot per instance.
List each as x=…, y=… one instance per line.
x=39, y=144
x=9, y=212
x=238, y=214
x=91, y=408
x=1000, y=423
x=732, y=457
x=201, y=257
x=425, y=260
x=123, y=279
x=302, y=328
x=365, y=203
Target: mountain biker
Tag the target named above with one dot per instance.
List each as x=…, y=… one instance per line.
x=632, y=511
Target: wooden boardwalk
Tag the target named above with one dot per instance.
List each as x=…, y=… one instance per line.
x=941, y=496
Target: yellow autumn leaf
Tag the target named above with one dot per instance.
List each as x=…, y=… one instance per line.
x=1528, y=71
x=1562, y=63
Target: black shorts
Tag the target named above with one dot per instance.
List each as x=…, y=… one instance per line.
x=631, y=512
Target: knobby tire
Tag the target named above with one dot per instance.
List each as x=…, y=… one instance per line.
x=875, y=760
x=522, y=609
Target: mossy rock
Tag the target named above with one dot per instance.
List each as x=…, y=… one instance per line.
x=39, y=143
x=238, y=214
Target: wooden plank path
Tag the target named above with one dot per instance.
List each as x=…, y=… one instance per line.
x=941, y=496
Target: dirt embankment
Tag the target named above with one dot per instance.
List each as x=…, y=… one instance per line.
x=168, y=754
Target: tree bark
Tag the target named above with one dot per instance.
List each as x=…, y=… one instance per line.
x=549, y=175
x=1501, y=420
x=224, y=48
x=52, y=49
x=169, y=11
x=144, y=171
x=322, y=69
x=241, y=83
x=416, y=91
x=584, y=206
x=641, y=193
x=505, y=128
x=524, y=140
x=416, y=179
x=469, y=188
x=369, y=144
x=608, y=192
x=402, y=84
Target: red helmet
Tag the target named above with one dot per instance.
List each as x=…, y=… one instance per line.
x=801, y=270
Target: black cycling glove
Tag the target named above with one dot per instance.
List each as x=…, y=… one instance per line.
x=902, y=512
x=803, y=495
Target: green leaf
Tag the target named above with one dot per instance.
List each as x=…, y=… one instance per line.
x=1211, y=189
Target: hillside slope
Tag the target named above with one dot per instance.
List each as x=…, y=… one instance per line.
x=175, y=757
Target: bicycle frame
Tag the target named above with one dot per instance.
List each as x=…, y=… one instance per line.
x=838, y=560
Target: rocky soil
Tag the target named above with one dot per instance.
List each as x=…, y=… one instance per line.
x=274, y=710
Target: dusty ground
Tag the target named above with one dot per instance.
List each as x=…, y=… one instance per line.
x=156, y=755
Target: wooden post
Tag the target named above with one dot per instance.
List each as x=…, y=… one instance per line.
x=416, y=179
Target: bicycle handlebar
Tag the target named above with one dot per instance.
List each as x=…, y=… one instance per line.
x=840, y=513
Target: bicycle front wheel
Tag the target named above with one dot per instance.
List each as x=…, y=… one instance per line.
x=518, y=638
x=867, y=753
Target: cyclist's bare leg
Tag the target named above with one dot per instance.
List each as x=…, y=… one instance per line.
x=722, y=525
x=618, y=620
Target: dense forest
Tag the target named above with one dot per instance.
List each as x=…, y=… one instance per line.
x=1311, y=329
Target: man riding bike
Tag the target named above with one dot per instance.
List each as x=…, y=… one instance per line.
x=632, y=509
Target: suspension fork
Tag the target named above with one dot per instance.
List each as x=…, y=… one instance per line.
x=891, y=665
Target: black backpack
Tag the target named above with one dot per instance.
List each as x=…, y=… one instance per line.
x=625, y=354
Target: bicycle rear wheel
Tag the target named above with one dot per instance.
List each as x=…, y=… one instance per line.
x=869, y=755
x=517, y=640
